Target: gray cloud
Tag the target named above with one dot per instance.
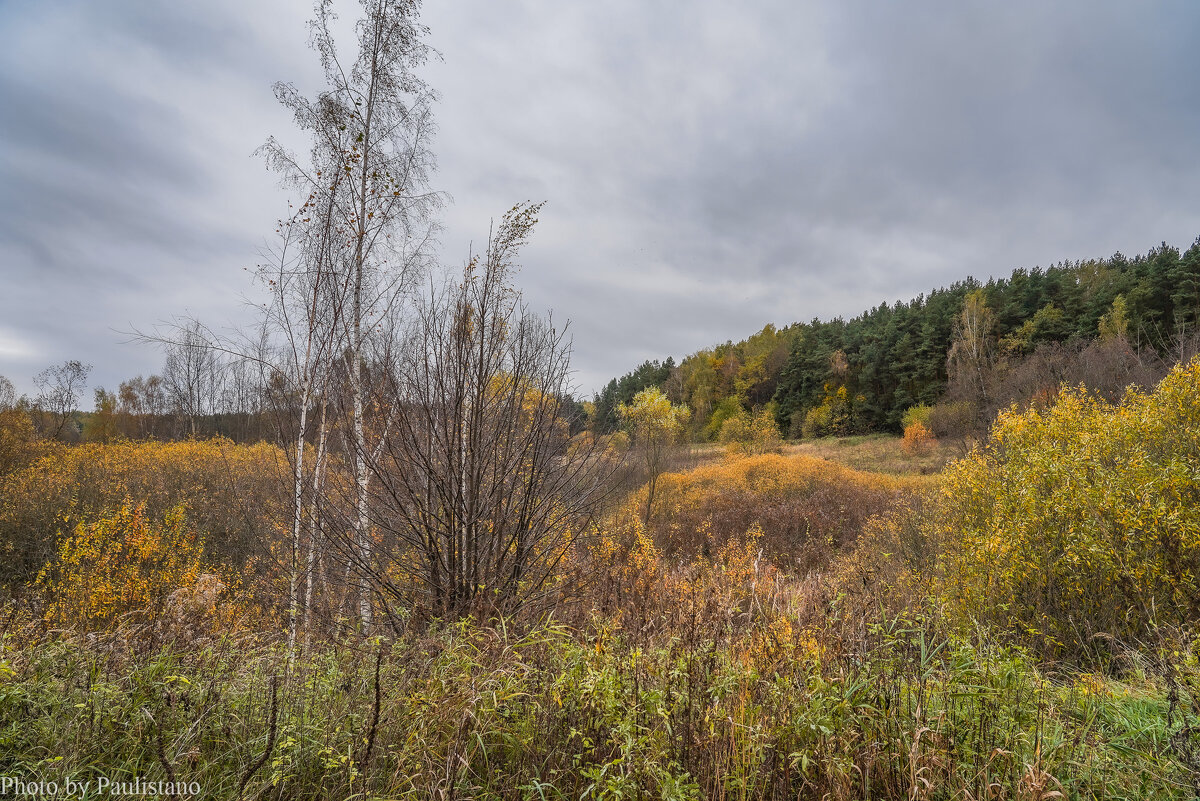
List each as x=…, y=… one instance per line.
x=708, y=169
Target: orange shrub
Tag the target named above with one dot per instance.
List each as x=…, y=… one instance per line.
x=720, y=554
x=806, y=507
x=918, y=440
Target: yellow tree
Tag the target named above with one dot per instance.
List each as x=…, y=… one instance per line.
x=972, y=351
x=1114, y=324
x=752, y=434
x=654, y=425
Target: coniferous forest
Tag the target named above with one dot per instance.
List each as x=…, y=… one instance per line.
x=861, y=375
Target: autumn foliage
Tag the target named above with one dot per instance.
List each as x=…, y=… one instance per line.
x=777, y=627
x=1078, y=526
x=751, y=434
x=806, y=507
x=232, y=492
x=121, y=563
x=918, y=440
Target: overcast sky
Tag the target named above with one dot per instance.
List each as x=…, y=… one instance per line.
x=708, y=167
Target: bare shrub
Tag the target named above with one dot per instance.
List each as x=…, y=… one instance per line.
x=479, y=487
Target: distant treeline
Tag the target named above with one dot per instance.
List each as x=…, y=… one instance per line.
x=198, y=395
x=861, y=375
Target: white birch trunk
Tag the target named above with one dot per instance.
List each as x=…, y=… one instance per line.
x=314, y=533
x=297, y=521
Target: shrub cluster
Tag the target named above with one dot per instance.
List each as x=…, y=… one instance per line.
x=232, y=493
x=806, y=507
x=1077, y=528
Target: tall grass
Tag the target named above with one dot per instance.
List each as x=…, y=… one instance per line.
x=780, y=627
x=549, y=712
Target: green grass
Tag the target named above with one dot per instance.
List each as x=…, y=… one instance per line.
x=476, y=712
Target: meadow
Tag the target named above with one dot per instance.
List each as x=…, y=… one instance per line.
x=828, y=619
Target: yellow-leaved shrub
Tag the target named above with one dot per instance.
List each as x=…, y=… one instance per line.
x=751, y=434
x=19, y=442
x=121, y=563
x=233, y=493
x=1078, y=526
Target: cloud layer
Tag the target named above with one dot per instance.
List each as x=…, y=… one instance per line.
x=707, y=169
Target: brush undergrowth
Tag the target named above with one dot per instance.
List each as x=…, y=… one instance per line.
x=1023, y=633
x=549, y=712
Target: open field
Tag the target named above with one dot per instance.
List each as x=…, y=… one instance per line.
x=879, y=453
x=764, y=626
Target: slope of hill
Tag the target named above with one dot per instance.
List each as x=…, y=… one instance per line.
x=868, y=370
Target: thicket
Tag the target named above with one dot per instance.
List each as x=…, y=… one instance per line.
x=119, y=564
x=751, y=434
x=1073, y=531
x=231, y=492
x=1077, y=529
x=807, y=508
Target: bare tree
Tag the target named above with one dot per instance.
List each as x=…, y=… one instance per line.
x=143, y=402
x=971, y=356
x=242, y=398
x=8, y=394
x=192, y=374
x=58, y=391
x=299, y=341
x=479, y=489
x=367, y=184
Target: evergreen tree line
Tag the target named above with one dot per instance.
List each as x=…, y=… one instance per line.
x=962, y=347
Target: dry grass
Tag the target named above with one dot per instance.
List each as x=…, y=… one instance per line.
x=879, y=453
x=806, y=507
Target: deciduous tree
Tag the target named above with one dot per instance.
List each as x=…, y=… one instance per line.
x=654, y=425
x=367, y=187
x=480, y=489
x=58, y=392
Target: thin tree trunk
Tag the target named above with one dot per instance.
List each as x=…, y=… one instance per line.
x=297, y=521
x=362, y=518
x=314, y=527
x=360, y=463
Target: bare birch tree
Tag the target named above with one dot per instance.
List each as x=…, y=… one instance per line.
x=368, y=176
x=192, y=374
x=8, y=394
x=972, y=354
x=59, y=388
x=299, y=336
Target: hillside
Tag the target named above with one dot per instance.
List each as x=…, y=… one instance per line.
x=867, y=371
